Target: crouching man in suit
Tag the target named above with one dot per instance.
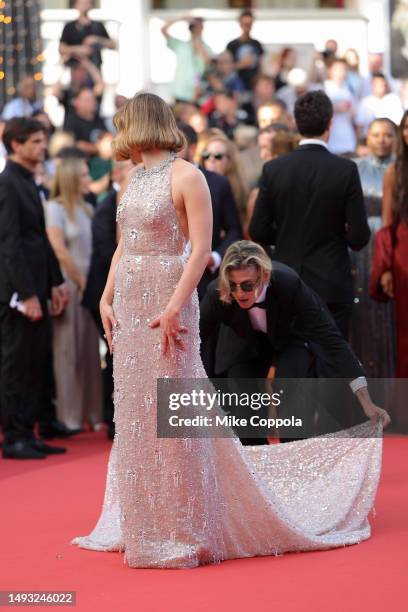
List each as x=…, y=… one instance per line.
x=271, y=318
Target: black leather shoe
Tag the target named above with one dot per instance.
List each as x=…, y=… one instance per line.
x=21, y=450
x=56, y=429
x=46, y=449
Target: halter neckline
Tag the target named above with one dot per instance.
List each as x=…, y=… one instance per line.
x=158, y=167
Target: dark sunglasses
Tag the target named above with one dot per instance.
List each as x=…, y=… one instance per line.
x=246, y=286
x=217, y=156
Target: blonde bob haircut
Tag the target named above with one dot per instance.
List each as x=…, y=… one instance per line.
x=143, y=123
x=65, y=187
x=242, y=254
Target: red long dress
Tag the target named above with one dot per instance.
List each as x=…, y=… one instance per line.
x=400, y=277
x=391, y=253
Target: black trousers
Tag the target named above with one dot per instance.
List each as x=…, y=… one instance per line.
x=25, y=346
x=345, y=411
x=238, y=381
x=341, y=314
x=47, y=410
x=294, y=361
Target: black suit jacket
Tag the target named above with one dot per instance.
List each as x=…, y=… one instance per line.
x=226, y=223
x=311, y=207
x=28, y=265
x=103, y=248
x=294, y=313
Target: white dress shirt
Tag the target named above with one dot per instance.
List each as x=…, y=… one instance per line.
x=257, y=316
x=315, y=141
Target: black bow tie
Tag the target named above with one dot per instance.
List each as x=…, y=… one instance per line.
x=258, y=305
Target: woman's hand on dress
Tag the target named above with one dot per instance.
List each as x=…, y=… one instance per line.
x=387, y=283
x=169, y=323
x=108, y=321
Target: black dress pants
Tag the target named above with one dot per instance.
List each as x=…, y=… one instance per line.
x=341, y=314
x=238, y=376
x=24, y=349
x=47, y=411
x=295, y=369
x=345, y=411
x=239, y=380
x=295, y=361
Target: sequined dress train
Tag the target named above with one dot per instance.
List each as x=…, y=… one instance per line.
x=175, y=503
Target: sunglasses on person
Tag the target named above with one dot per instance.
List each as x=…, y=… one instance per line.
x=217, y=156
x=246, y=286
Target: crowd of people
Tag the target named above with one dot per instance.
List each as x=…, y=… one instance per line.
x=60, y=189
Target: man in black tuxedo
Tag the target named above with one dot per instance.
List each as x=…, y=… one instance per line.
x=311, y=207
x=226, y=223
x=271, y=317
x=29, y=275
x=104, y=243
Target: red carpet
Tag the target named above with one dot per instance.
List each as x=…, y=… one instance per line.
x=46, y=503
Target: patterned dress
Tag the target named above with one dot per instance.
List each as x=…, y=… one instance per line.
x=372, y=325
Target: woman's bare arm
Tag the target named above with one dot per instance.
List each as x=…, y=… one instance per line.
x=191, y=190
x=107, y=294
x=196, y=197
x=105, y=307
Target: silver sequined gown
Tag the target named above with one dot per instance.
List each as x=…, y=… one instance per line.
x=184, y=502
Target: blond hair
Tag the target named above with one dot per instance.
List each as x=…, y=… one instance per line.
x=241, y=254
x=146, y=122
x=202, y=142
x=65, y=186
x=284, y=143
x=58, y=141
x=233, y=173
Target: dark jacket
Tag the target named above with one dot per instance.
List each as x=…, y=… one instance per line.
x=28, y=265
x=294, y=313
x=311, y=207
x=103, y=248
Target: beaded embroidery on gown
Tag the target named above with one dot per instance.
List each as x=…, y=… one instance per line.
x=175, y=503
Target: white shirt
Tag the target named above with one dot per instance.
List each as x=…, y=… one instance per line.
x=19, y=107
x=314, y=141
x=371, y=107
x=257, y=317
